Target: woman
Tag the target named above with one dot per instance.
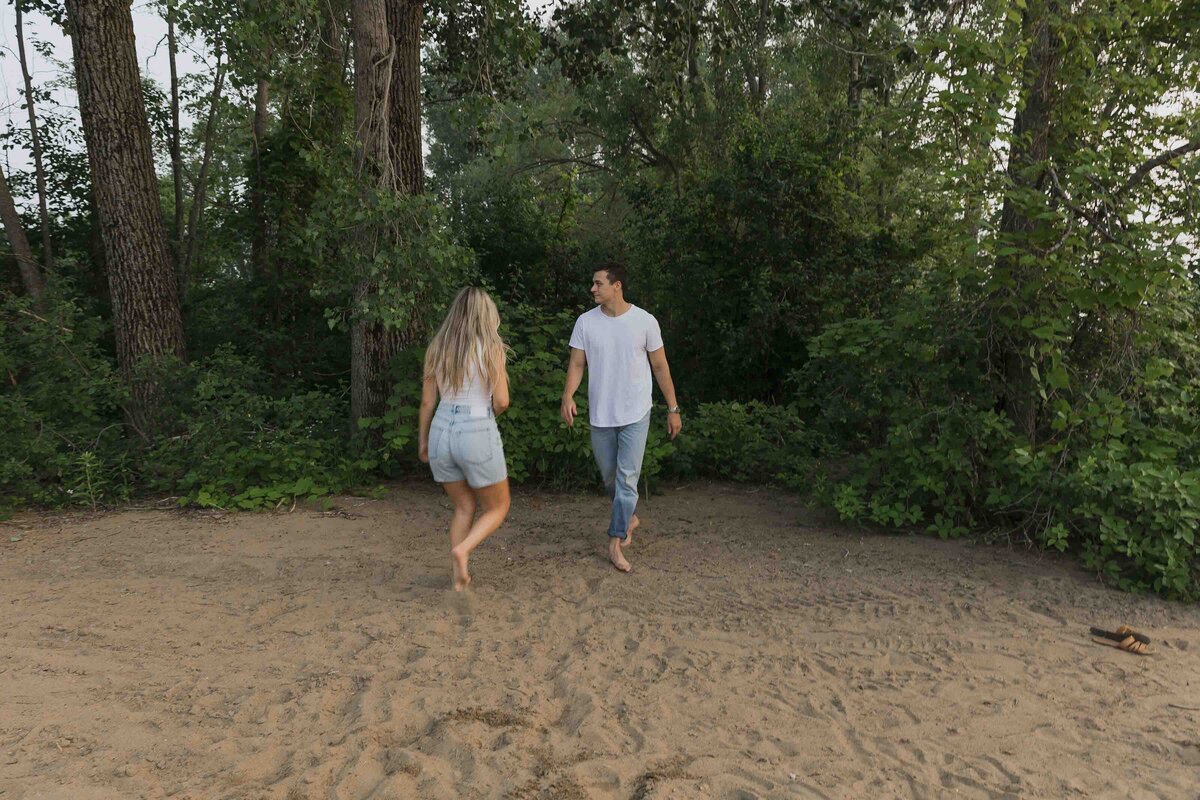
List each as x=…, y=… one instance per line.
x=465, y=364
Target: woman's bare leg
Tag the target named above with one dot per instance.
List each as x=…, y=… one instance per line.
x=463, y=497
x=495, y=501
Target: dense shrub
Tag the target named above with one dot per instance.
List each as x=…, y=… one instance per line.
x=60, y=403
x=228, y=439
x=1114, y=477
x=233, y=443
x=750, y=441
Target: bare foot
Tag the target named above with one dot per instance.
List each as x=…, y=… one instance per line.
x=616, y=556
x=458, y=559
x=633, y=523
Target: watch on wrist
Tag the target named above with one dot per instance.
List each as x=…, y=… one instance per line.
x=673, y=409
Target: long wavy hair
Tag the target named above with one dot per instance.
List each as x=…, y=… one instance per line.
x=469, y=336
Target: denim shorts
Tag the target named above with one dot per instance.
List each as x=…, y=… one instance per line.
x=464, y=445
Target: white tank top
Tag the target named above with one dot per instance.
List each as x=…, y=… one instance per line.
x=475, y=391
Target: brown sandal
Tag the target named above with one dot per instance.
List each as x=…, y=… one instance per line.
x=1124, y=638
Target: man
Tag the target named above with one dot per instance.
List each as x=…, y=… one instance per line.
x=621, y=345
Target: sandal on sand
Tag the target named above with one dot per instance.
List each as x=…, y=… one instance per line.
x=1124, y=638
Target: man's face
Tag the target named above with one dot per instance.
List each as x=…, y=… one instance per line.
x=602, y=290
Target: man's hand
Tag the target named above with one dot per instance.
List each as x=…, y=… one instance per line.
x=568, y=411
x=423, y=453
x=674, y=424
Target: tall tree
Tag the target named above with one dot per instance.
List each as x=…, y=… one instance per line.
x=372, y=344
x=404, y=120
x=1027, y=173
x=31, y=276
x=174, y=142
x=35, y=143
x=145, y=297
x=200, y=187
x=404, y=112
x=259, y=241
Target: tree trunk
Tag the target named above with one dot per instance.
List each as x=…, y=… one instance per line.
x=329, y=105
x=196, y=213
x=404, y=114
x=854, y=85
x=173, y=145
x=35, y=144
x=372, y=346
x=758, y=86
x=146, y=317
x=31, y=275
x=259, y=256
x=1030, y=149
x=404, y=123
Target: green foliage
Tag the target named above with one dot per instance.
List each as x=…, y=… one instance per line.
x=763, y=234
x=236, y=445
x=1034, y=377
x=397, y=244
x=60, y=401
x=232, y=442
x=1137, y=481
x=538, y=445
x=1115, y=479
x=752, y=441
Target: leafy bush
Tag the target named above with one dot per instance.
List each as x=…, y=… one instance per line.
x=1137, y=486
x=1114, y=477
x=61, y=405
x=235, y=444
x=750, y=441
x=538, y=445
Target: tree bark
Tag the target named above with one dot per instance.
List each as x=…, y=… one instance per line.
x=328, y=119
x=173, y=145
x=372, y=345
x=758, y=87
x=404, y=123
x=146, y=317
x=404, y=113
x=196, y=213
x=854, y=84
x=1030, y=148
x=35, y=144
x=259, y=255
x=31, y=276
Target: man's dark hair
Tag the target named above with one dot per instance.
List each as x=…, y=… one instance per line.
x=616, y=272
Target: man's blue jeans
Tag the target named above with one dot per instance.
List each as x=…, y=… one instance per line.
x=618, y=453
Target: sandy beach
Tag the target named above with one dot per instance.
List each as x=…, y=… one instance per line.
x=756, y=651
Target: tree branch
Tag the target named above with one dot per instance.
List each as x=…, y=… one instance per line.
x=1162, y=158
x=1077, y=210
x=550, y=162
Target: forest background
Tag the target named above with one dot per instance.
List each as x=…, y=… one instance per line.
x=932, y=263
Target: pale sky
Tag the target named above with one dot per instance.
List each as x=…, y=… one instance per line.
x=150, y=32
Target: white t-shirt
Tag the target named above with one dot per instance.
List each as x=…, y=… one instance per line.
x=618, y=369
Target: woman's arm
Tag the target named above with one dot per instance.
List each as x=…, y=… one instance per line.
x=429, y=395
x=500, y=392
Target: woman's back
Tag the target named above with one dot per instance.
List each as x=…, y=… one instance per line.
x=476, y=390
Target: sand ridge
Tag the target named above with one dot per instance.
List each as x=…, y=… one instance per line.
x=754, y=652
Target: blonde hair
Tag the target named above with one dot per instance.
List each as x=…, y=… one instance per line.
x=470, y=332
